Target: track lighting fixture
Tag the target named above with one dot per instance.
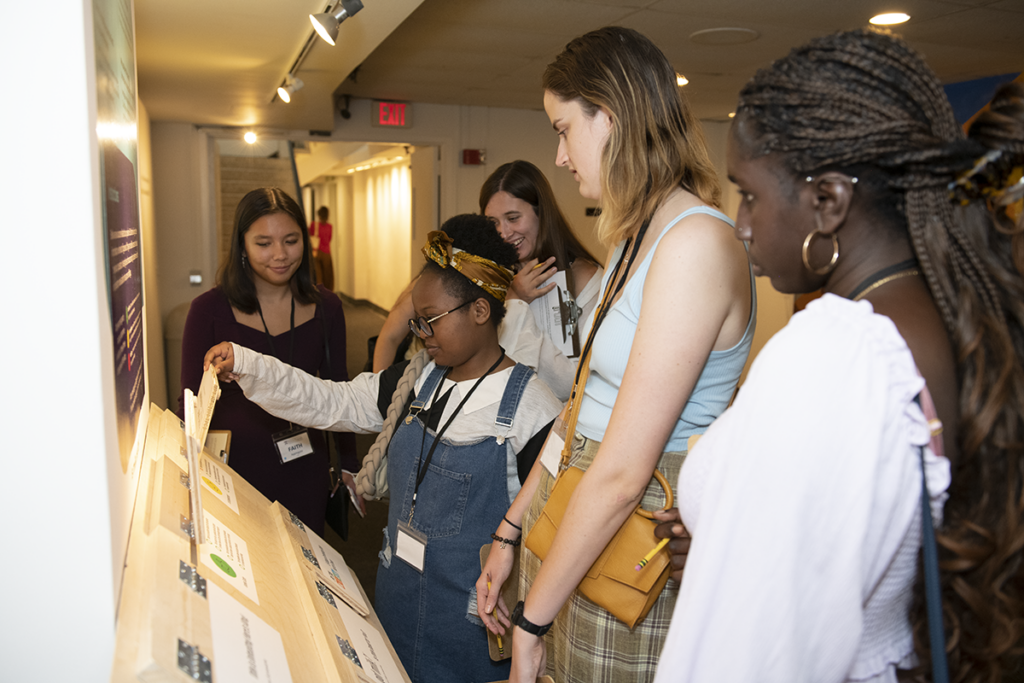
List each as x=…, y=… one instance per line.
x=291, y=86
x=326, y=24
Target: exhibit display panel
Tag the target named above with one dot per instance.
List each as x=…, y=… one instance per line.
x=257, y=596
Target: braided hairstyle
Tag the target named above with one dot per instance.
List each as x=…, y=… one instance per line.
x=865, y=104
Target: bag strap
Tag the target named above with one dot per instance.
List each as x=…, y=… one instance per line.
x=372, y=476
x=614, y=286
x=932, y=588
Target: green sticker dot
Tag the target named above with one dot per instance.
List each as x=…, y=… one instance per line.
x=223, y=566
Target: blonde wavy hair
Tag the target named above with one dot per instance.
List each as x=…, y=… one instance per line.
x=655, y=144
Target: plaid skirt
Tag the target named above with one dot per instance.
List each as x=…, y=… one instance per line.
x=587, y=644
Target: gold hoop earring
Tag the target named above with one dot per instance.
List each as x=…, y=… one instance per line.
x=826, y=269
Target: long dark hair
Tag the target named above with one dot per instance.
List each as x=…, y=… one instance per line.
x=235, y=278
x=865, y=104
x=555, y=237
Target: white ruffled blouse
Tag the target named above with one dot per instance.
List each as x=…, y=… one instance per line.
x=803, y=500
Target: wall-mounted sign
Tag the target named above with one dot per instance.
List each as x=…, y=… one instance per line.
x=391, y=114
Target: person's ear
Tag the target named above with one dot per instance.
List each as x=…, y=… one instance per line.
x=833, y=195
x=480, y=310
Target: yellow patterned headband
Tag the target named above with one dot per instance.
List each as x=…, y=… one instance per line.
x=483, y=273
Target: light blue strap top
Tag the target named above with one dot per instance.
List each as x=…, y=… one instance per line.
x=610, y=353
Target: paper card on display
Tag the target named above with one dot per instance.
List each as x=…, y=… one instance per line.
x=217, y=481
x=206, y=399
x=547, y=311
x=228, y=554
x=333, y=567
x=373, y=655
x=218, y=444
x=245, y=648
x=192, y=450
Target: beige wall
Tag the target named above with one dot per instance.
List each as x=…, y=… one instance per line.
x=156, y=370
x=184, y=211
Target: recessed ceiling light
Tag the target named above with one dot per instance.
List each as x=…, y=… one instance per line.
x=249, y=137
x=732, y=115
x=681, y=80
x=889, y=19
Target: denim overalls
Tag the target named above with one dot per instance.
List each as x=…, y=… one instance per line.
x=459, y=504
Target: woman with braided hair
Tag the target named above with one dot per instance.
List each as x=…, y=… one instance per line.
x=804, y=499
x=454, y=462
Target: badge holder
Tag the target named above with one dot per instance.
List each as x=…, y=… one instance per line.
x=292, y=444
x=411, y=545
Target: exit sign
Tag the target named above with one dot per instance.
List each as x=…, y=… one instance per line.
x=391, y=114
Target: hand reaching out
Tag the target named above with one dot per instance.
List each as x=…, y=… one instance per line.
x=222, y=358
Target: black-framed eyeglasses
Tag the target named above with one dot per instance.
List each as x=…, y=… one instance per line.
x=421, y=326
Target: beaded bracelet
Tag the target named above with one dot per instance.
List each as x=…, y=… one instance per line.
x=506, y=541
x=515, y=525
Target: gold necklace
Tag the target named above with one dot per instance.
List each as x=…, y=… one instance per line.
x=884, y=280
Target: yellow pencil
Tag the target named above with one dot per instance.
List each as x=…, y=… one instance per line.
x=649, y=556
x=501, y=648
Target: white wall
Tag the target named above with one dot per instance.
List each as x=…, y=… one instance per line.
x=62, y=465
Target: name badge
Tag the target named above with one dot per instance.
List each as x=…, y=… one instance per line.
x=551, y=454
x=293, y=444
x=411, y=546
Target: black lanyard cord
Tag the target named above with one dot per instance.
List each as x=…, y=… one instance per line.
x=291, y=332
x=602, y=310
x=270, y=340
x=423, y=465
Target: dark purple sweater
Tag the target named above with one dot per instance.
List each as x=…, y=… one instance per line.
x=301, y=485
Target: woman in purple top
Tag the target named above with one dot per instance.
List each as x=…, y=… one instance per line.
x=265, y=299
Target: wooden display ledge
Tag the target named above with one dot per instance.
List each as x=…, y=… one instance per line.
x=163, y=613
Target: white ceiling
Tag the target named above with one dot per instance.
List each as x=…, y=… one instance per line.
x=220, y=62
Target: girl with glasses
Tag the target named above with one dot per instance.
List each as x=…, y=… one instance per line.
x=454, y=462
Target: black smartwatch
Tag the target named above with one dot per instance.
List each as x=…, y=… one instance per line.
x=519, y=620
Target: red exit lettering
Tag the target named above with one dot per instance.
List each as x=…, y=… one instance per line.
x=392, y=114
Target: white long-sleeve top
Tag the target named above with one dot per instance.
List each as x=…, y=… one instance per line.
x=298, y=397
x=524, y=341
x=803, y=500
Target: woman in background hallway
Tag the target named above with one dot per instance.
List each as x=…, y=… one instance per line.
x=265, y=299
x=320, y=233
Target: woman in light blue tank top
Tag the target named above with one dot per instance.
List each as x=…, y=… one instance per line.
x=665, y=358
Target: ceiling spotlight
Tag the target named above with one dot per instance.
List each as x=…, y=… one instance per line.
x=732, y=115
x=681, y=80
x=249, y=137
x=291, y=86
x=889, y=19
x=326, y=24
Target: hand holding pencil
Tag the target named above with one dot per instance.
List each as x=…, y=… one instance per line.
x=672, y=531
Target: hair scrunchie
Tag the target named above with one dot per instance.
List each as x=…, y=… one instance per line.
x=484, y=273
